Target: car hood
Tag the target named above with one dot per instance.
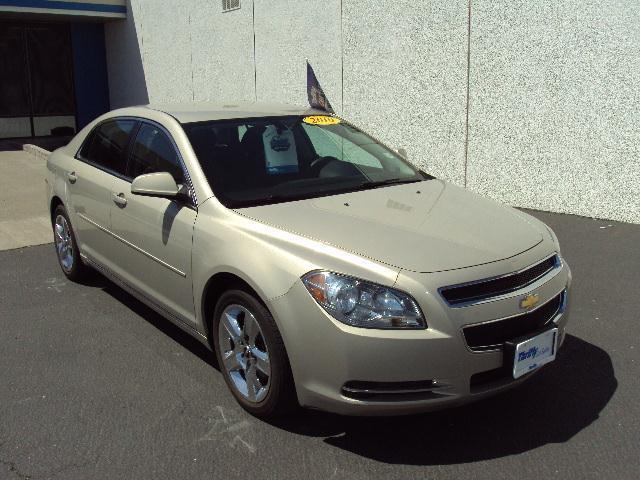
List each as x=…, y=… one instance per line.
x=428, y=226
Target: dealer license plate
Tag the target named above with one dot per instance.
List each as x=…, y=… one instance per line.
x=535, y=352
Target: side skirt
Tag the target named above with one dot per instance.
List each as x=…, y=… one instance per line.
x=145, y=299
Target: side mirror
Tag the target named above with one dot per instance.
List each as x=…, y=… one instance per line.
x=403, y=152
x=161, y=184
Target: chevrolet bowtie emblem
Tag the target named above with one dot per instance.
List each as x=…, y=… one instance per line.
x=529, y=301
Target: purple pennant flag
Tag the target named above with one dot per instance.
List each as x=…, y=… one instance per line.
x=317, y=98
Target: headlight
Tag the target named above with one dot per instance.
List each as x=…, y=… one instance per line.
x=554, y=237
x=363, y=304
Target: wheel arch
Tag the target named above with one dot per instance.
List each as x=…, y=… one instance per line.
x=55, y=202
x=214, y=288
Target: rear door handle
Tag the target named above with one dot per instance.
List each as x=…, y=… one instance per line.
x=71, y=176
x=119, y=199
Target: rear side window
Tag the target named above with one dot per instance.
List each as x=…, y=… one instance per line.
x=106, y=145
x=152, y=152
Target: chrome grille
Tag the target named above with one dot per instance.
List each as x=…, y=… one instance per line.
x=460, y=295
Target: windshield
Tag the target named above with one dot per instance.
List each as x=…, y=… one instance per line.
x=263, y=160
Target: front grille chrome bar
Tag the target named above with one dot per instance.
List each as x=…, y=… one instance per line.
x=487, y=289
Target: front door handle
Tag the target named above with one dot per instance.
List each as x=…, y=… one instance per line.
x=119, y=199
x=71, y=176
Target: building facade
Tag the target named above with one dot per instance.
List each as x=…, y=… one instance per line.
x=536, y=104
x=53, y=72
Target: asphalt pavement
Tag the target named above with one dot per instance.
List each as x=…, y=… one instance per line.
x=94, y=385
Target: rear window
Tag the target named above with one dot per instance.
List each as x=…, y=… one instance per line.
x=106, y=146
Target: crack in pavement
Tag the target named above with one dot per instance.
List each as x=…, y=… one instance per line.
x=14, y=469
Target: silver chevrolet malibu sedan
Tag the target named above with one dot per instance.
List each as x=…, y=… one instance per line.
x=321, y=267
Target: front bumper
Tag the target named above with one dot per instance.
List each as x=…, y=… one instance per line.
x=332, y=363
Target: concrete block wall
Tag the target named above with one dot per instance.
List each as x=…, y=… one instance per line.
x=554, y=118
x=124, y=46
x=405, y=78
x=288, y=32
x=535, y=104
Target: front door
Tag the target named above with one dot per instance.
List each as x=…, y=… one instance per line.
x=156, y=233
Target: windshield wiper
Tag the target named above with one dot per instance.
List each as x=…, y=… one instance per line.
x=269, y=199
x=279, y=198
x=388, y=181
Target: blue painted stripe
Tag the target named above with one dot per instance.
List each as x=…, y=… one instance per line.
x=88, y=7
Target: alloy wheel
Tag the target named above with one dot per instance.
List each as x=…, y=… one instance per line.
x=64, y=243
x=244, y=353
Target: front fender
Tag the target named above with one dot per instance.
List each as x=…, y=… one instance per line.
x=270, y=260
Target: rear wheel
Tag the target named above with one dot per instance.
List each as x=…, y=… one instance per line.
x=66, y=246
x=251, y=355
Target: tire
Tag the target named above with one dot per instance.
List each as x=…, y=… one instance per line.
x=64, y=241
x=242, y=361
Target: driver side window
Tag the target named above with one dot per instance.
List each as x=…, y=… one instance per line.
x=154, y=152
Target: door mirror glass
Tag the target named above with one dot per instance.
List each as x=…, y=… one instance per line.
x=159, y=184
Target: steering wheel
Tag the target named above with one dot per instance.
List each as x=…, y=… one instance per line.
x=319, y=163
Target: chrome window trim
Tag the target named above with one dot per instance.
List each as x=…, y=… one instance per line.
x=555, y=318
x=513, y=293
x=139, y=120
x=192, y=192
x=108, y=171
x=86, y=161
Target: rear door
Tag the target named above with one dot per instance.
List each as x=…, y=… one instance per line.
x=101, y=160
x=156, y=233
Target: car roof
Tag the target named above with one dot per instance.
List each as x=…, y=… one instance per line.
x=205, y=111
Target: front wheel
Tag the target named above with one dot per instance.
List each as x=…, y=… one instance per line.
x=251, y=355
x=66, y=246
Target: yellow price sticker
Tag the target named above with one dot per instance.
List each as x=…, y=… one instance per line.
x=321, y=120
